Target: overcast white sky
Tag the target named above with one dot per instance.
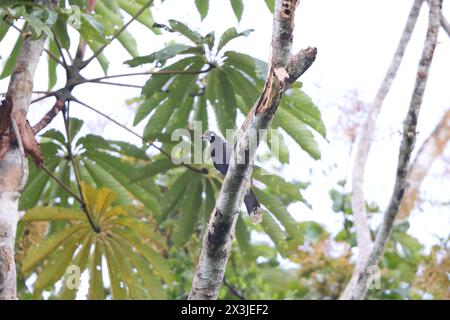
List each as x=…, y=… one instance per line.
x=355, y=40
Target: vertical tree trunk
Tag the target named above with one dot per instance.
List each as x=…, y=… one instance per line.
x=14, y=166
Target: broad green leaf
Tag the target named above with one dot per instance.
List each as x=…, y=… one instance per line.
x=277, y=184
x=117, y=285
x=238, y=8
x=270, y=4
x=128, y=42
x=96, y=287
x=60, y=32
x=202, y=7
x=277, y=208
x=158, y=166
x=301, y=106
x=46, y=247
x=144, y=229
x=276, y=234
x=58, y=263
x=135, y=289
x=180, y=27
x=157, y=82
x=147, y=106
x=159, y=120
x=243, y=238
x=201, y=111
x=11, y=60
x=174, y=193
x=241, y=61
x=277, y=145
x=4, y=27
x=226, y=109
x=132, y=8
x=298, y=131
x=160, y=57
x=53, y=214
x=242, y=85
x=52, y=64
x=231, y=34
x=190, y=211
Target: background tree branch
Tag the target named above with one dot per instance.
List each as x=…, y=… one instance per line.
x=407, y=144
x=363, y=237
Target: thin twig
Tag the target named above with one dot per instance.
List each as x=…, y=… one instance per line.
x=116, y=84
x=146, y=73
x=23, y=159
x=62, y=184
x=75, y=168
x=151, y=143
x=233, y=290
x=100, y=50
x=53, y=57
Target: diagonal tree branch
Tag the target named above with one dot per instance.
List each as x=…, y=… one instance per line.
x=219, y=232
x=431, y=149
x=408, y=140
x=363, y=237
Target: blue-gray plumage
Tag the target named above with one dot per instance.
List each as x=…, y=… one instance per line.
x=221, y=155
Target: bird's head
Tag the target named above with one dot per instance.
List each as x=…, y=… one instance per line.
x=209, y=136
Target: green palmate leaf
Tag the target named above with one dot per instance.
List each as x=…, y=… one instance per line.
x=298, y=131
x=135, y=289
x=190, y=211
x=159, y=57
x=128, y=42
x=201, y=111
x=243, y=238
x=226, y=109
x=81, y=259
x=302, y=107
x=202, y=7
x=180, y=27
x=52, y=214
x=277, y=184
x=52, y=64
x=277, y=208
x=159, y=120
x=238, y=8
x=54, y=135
x=277, y=145
x=46, y=247
x=160, y=165
x=157, y=82
x=145, y=230
x=36, y=185
x=147, y=106
x=97, y=143
x=212, y=84
x=270, y=4
x=118, y=170
x=175, y=193
x=58, y=263
x=241, y=61
x=117, y=286
x=276, y=234
x=60, y=32
x=75, y=127
x=231, y=34
x=96, y=287
x=180, y=117
x=157, y=262
x=242, y=85
x=4, y=27
x=312, y=230
x=103, y=178
x=210, y=199
x=150, y=282
x=11, y=61
x=133, y=7
x=183, y=84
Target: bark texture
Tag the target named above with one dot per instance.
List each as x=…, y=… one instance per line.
x=283, y=70
x=13, y=164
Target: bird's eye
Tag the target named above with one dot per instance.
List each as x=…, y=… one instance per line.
x=212, y=138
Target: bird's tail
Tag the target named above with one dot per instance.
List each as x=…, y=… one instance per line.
x=253, y=206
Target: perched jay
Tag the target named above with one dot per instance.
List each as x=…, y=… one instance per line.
x=221, y=155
